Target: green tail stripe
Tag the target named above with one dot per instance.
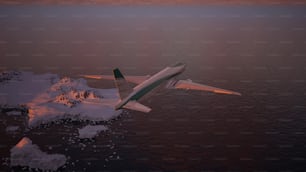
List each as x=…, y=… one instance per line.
x=118, y=74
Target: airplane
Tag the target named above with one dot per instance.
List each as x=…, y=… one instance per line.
x=129, y=96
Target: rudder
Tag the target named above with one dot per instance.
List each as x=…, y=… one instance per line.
x=118, y=74
x=123, y=86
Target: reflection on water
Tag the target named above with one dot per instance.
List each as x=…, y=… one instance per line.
x=258, y=51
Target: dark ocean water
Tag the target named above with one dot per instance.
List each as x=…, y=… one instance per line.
x=256, y=50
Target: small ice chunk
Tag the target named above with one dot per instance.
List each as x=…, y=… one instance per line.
x=11, y=128
x=27, y=154
x=13, y=113
x=90, y=131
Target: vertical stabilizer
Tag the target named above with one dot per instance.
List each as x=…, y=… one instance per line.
x=123, y=86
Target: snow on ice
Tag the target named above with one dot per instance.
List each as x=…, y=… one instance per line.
x=10, y=129
x=27, y=154
x=13, y=113
x=90, y=131
x=50, y=98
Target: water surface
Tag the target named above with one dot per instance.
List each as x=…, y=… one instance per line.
x=258, y=51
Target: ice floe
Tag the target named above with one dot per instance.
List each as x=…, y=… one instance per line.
x=50, y=98
x=10, y=129
x=90, y=131
x=27, y=154
x=13, y=113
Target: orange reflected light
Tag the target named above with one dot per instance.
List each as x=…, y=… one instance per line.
x=24, y=141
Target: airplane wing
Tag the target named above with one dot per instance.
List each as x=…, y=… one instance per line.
x=134, y=105
x=188, y=84
x=132, y=79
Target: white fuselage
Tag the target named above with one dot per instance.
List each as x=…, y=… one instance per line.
x=154, y=81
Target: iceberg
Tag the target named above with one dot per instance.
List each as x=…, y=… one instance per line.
x=27, y=154
x=50, y=98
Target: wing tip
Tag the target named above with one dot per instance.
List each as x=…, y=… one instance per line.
x=237, y=94
x=221, y=91
x=90, y=76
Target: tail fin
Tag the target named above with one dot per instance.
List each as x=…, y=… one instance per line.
x=123, y=86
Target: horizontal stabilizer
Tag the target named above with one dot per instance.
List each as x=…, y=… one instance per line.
x=188, y=84
x=134, y=105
